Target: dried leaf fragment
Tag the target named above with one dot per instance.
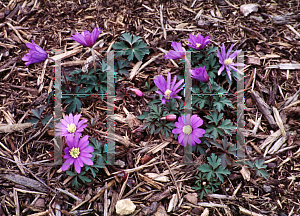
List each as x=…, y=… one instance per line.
x=246, y=9
x=245, y=173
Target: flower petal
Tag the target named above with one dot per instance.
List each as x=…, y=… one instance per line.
x=77, y=166
x=67, y=164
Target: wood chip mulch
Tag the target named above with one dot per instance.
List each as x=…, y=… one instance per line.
x=162, y=183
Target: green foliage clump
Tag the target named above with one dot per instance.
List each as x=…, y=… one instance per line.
x=134, y=47
x=259, y=167
x=153, y=120
x=210, y=176
x=220, y=128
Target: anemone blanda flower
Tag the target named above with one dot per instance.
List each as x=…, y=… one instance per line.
x=197, y=41
x=137, y=92
x=226, y=60
x=170, y=117
x=86, y=38
x=187, y=128
x=35, y=55
x=178, y=53
x=167, y=89
x=70, y=126
x=200, y=74
x=78, y=153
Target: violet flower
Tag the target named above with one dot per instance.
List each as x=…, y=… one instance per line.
x=70, y=126
x=78, y=153
x=86, y=38
x=178, y=53
x=167, y=89
x=226, y=60
x=187, y=128
x=200, y=74
x=35, y=55
x=197, y=41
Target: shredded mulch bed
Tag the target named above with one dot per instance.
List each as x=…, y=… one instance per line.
x=270, y=37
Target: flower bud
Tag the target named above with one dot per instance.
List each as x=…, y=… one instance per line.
x=170, y=117
x=200, y=74
x=137, y=92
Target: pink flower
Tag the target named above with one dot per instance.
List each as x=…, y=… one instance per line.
x=200, y=74
x=187, y=128
x=35, y=55
x=170, y=117
x=70, y=126
x=86, y=38
x=78, y=153
x=226, y=60
x=137, y=92
x=197, y=41
x=178, y=53
x=167, y=89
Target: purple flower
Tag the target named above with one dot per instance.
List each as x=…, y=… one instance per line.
x=70, y=126
x=86, y=38
x=178, y=53
x=198, y=42
x=166, y=89
x=35, y=55
x=226, y=60
x=187, y=128
x=200, y=74
x=78, y=153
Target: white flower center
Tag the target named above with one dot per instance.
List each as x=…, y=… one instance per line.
x=71, y=128
x=228, y=61
x=167, y=93
x=74, y=152
x=187, y=129
x=198, y=45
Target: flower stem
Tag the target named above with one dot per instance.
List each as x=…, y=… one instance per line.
x=93, y=54
x=210, y=87
x=66, y=81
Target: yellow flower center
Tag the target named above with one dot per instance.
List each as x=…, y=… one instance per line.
x=228, y=61
x=167, y=93
x=74, y=152
x=187, y=129
x=71, y=128
x=198, y=45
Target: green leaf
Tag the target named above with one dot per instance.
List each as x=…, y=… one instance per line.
x=84, y=178
x=36, y=113
x=214, y=161
x=260, y=164
x=76, y=72
x=46, y=119
x=69, y=173
x=227, y=126
x=263, y=173
x=220, y=102
x=211, y=50
x=137, y=47
x=144, y=116
x=127, y=37
x=119, y=45
x=214, y=117
x=205, y=168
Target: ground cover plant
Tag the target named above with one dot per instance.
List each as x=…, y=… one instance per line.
x=149, y=108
